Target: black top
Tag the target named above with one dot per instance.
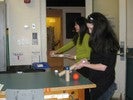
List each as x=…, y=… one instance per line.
x=103, y=79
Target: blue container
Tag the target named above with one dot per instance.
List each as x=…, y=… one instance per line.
x=40, y=65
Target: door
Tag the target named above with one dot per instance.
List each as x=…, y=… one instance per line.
x=115, y=11
x=54, y=36
x=129, y=69
x=121, y=59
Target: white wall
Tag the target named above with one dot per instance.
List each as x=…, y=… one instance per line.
x=111, y=12
x=20, y=19
x=23, y=20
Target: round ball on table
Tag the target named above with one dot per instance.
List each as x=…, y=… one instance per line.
x=75, y=76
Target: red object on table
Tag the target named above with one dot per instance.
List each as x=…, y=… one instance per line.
x=75, y=76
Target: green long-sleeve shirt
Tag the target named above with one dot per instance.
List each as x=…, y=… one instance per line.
x=82, y=51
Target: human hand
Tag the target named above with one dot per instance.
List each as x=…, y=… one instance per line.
x=81, y=63
x=52, y=53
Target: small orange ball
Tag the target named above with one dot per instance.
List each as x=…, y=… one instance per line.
x=75, y=76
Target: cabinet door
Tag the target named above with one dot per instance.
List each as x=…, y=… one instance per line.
x=2, y=37
x=73, y=94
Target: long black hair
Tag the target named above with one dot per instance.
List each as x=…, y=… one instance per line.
x=81, y=21
x=103, y=37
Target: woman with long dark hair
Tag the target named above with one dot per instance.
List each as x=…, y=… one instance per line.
x=100, y=67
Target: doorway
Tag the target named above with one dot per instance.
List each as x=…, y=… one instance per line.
x=54, y=36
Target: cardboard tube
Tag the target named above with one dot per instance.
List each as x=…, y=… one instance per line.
x=63, y=72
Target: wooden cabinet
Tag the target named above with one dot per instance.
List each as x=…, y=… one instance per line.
x=73, y=94
x=55, y=63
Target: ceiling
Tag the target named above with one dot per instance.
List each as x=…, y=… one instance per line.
x=65, y=3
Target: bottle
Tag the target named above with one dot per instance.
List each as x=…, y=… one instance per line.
x=67, y=73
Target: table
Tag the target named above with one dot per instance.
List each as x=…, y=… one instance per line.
x=48, y=80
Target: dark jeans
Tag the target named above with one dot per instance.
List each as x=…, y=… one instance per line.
x=109, y=93
x=106, y=96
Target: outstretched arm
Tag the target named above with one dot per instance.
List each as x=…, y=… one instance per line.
x=85, y=63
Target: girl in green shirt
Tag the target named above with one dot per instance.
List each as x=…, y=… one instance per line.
x=80, y=41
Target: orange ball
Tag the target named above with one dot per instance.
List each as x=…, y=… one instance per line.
x=75, y=76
